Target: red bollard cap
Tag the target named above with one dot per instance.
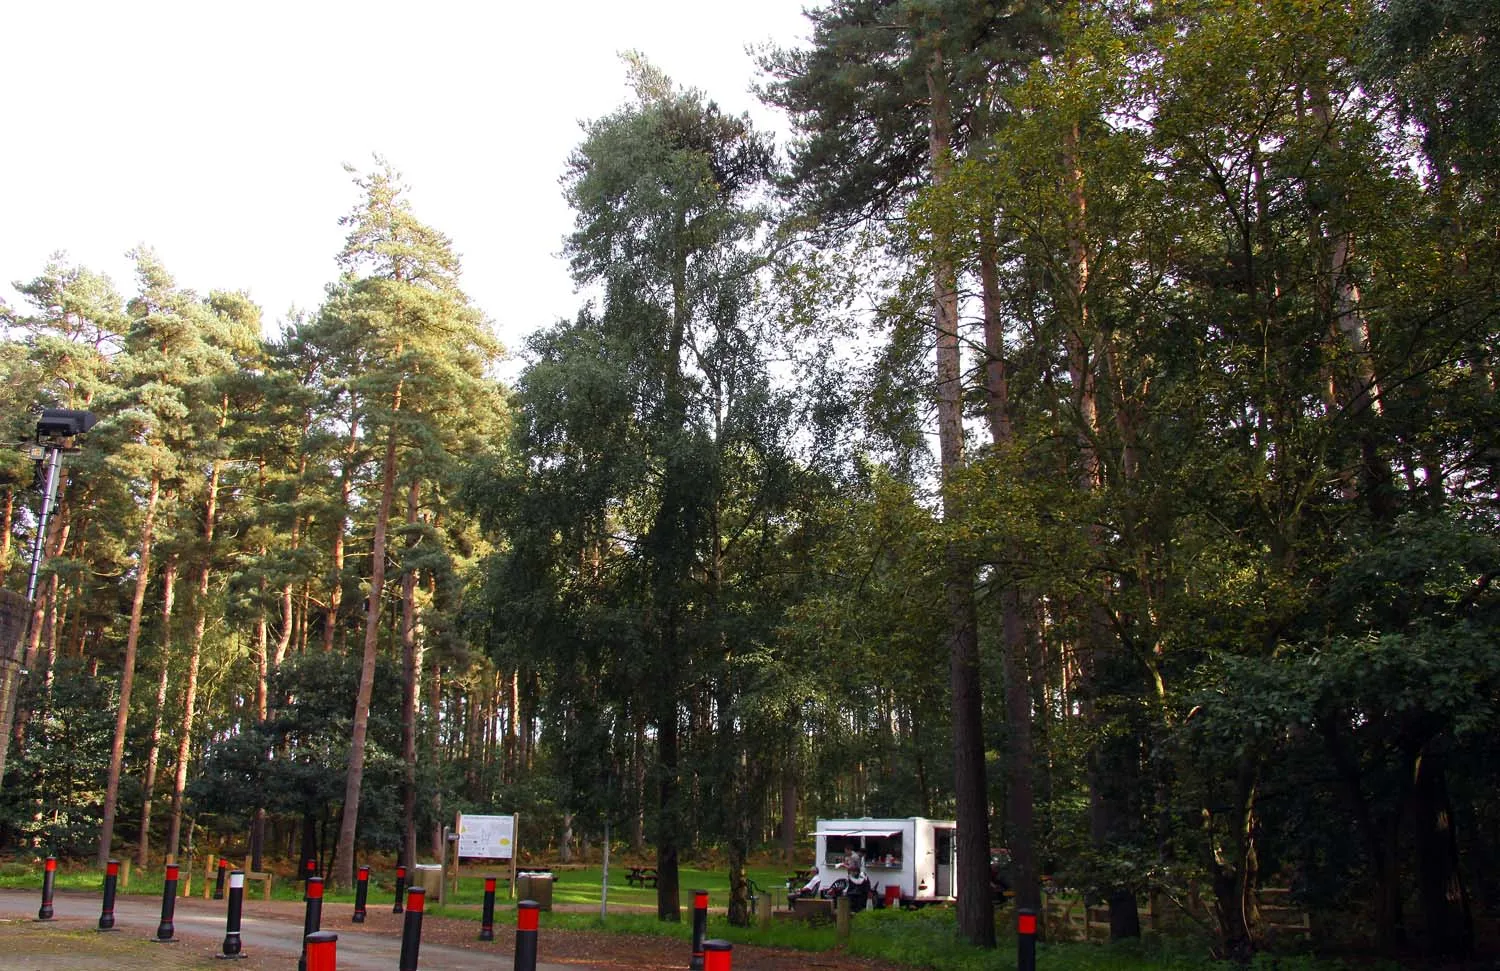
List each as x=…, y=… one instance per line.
x=489, y=884
x=717, y=955
x=112, y=868
x=1025, y=922
x=364, y=873
x=527, y=912
x=700, y=899
x=322, y=951
x=415, y=898
x=51, y=864
x=314, y=888
x=171, y=871
x=400, y=871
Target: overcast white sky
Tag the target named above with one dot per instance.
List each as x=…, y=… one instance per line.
x=216, y=131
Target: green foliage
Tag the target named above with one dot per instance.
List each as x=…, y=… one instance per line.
x=62, y=756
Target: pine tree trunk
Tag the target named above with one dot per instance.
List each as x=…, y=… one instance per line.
x=355, y=779
x=1448, y=916
x=336, y=570
x=411, y=678
x=153, y=752
x=976, y=913
x=127, y=675
x=195, y=648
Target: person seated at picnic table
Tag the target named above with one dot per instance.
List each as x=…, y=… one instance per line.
x=808, y=889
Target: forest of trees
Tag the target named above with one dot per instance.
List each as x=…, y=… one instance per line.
x=1084, y=426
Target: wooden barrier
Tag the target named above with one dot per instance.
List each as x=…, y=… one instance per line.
x=1279, y=914
x=1066, y=917
x=265, y=879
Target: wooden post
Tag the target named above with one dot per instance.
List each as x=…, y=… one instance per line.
x=841, y=921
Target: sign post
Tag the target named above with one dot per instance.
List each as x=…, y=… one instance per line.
x=490, y=837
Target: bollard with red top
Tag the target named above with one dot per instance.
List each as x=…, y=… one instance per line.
x=361, y=892
x=526, y=929
x=700, y=927
x=314, y=917
x=111, y=878
x=1025, y=940
x=487, y=915
x=166, y=928
x=400, y=888
x=49, y=883
x=322, y=950
x=411, y=929
x=232, y=921
x=219, y=881
x=717, y=955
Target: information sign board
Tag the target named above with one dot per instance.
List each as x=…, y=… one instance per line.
x=491, y=837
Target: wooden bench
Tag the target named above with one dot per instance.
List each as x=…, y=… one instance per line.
x=641, y=876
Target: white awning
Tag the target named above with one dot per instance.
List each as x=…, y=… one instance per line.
x=857, y=832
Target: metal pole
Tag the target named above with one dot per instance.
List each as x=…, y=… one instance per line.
x=700, y=927
x=361, y=893
x=313, y=919
x=166, y=928
x=111, y=877
x=1025, y=940
x=604, y=878
x=38, y=544
x=236, y=908
x=487, y=915
x=526, y=930
x=411, y=928
x=49, y=881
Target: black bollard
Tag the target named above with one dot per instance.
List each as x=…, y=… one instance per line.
x=49, y=883
x=236, y=908
x=526, y=925
x=700, y=927
x=314, y=919
x=111, y=877
x=1025, y=940
x=322, y=951
x=487, y=915
x=361, y=892
x=717, y=955
x=400, y=888
x=411, y=930
x=219, y=881
x=165, y=929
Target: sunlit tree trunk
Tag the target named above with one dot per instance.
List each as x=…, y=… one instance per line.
x=153, y=751
x=127, y=674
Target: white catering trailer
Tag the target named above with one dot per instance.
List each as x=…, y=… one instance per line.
x=914, y=854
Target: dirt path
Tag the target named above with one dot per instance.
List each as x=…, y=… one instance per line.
x=271, y=933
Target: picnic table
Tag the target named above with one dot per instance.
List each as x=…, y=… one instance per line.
x=641, y=876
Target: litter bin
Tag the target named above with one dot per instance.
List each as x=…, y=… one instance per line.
x=537, y=887
x=428, y=876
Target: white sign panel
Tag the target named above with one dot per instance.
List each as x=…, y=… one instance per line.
x=487, y=836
